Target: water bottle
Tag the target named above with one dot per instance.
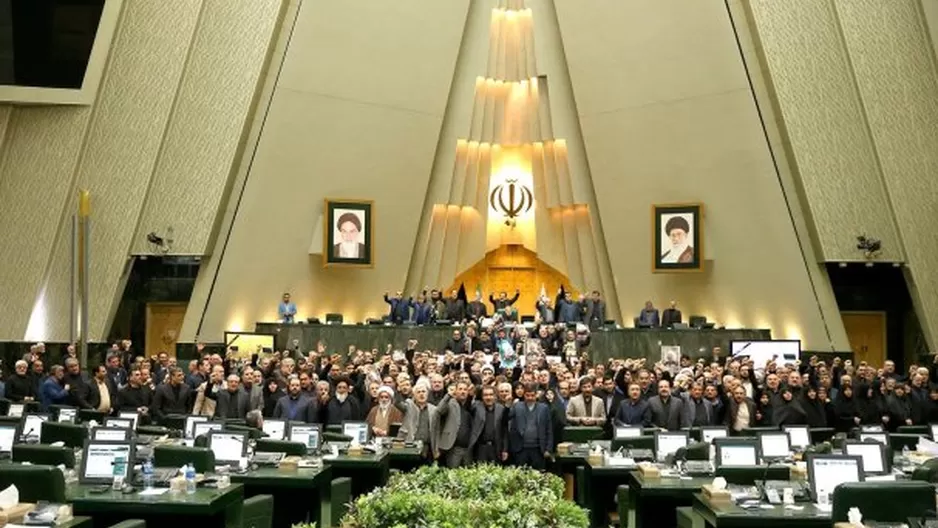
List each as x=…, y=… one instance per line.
x=148, y=473
x=190, y=479
x=119, y=467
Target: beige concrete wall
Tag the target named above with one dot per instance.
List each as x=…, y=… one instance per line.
x=668, y=116
x=356, y=113
x=170, y=73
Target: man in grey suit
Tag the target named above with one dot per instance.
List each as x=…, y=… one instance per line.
x=696, y=411
x=489, y=438
x=530, y=435
x=665, y=410
x=233, y=402
x=420, y=422
x=584, y=408
x=455, y=427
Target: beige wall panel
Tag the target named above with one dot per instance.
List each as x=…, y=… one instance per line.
x=120, y=152
x=376, y=52
x=896, y=74
x=359, y=155
x=825, y=125
x=667, y=116
x=215, y=98
x=39, y=154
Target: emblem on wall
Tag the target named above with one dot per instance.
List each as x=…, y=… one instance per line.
x=511, y=199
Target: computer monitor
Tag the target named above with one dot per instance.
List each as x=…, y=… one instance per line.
x=708, y=433
x=357, y=430
x=130, y=415
x=7, y=438
x=206, y=427
x=100, y=461
x=16, y=409
x=67, y=415
x=191, y=420
x=874, y=455
x=31, y=426
x=826, y=472
x=275, y=429
x=871, y=428
x=880, y=437
x=934, y=431
x=123, y=423
x=627, y=431
x=737, y=454
x=774, y=445
x=668, y=442
x=309, y=435
x=229, y=446
x=110, y=434
x=798, y=435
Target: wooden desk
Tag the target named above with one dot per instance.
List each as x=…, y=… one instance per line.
x=207, y=507
x=298, y=493
x=729, y=515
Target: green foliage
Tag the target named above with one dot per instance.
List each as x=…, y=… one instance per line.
x=484, y=496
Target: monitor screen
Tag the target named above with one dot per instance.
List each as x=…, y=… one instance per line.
x=227, y=446
x=68, y=415
x=707, y=435
x=16, y=409
x=98, y=461
x=872, y=455
x=204, y=428
x=129, y=415
x=626, y=431
x=737, y=455
x=829, y=471
x=875, y=437
x=32, y=425
x=667, y=443
x=122, y=423
x=798, y=435
x=307, y=435
x=190, y=424
x=774, y=445
x=275, y=429
x=357, y=430
x=7, y=437
x=110, y=434
x=934, y=430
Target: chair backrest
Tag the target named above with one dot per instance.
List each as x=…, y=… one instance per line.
x=266, y=445
x=72, y=435
x=884, y=502
x=258, y=512
x=202, y=458
x=35, y=483
x=44, y=455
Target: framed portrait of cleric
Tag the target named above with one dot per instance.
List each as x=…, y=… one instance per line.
x=349, y=233
x=677, y=242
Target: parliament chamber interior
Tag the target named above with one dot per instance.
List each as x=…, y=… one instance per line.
x=494, y=263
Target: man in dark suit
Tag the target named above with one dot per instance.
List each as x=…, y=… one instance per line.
x=293, y=406
x=594, y=311
x=489, y=437
x=350, y=227
x=671, y=316
x=530, y=435
x=233, y=402
x=665, y=410
x=173, y=398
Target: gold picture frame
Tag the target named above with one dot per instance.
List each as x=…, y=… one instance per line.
x=348, y=233
x=677, y=242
